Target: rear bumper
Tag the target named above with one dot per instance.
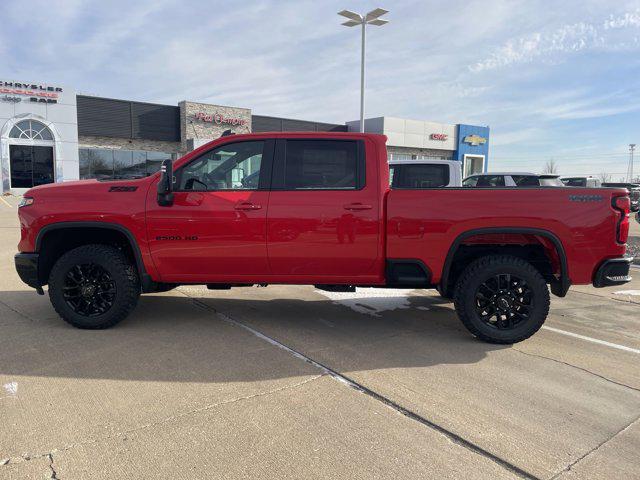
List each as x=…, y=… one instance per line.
x=613, y=272
x=27, y=268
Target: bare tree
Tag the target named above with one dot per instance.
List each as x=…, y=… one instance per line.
x=604, y=177
x=550, y=167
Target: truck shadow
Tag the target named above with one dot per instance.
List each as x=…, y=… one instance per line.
x=170, y=337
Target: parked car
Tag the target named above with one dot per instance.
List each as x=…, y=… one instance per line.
x=589, y=182
x=512, y=179
x=418, y=174
x=322, y=214
x=634, y=192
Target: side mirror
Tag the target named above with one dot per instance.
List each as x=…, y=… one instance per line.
x=165, y=185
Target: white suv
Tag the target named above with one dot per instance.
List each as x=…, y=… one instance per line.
x=512, y=179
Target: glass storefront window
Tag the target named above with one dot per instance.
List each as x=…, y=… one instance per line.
x=122, y=163
x=104, y=164
x=154, y=161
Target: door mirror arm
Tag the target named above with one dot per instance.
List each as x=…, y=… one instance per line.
x=165, y=185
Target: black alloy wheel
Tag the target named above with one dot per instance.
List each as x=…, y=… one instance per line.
x=89, y=290
x=503, y=301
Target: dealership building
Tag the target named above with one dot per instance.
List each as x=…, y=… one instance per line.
x=48, y=133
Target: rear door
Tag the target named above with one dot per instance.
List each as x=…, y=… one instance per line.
x=324, y=214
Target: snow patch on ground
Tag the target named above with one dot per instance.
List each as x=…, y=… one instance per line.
x=372, y=301
x=627, y=292
x=11, y=388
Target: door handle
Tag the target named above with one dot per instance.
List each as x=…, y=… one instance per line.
x=247, y=206
x=357, y=206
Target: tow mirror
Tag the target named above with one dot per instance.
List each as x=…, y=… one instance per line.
x=165, y=185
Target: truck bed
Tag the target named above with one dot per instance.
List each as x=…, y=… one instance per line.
x=425, y=224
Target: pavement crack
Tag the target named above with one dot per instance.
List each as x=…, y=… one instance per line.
x=450, y=435
x=54, y=475
x=16, y=311
x=577, y=368
x=593, y=450
x=49, y=455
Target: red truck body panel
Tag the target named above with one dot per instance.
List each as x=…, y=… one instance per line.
x=318, y=236
x=425, y=223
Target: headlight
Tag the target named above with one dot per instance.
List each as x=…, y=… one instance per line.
x=25, y=202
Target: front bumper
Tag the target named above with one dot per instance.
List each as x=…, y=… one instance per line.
x=27, y=268
x=613, y=272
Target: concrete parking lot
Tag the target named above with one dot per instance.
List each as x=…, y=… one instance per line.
x=290, y=382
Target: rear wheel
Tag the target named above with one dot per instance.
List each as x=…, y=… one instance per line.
x=502, y=299
x=93, y=286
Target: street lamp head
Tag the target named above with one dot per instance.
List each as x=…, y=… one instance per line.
x=371, y=18
x=355, y=18
x=374, y=14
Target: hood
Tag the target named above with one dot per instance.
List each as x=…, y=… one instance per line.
x=80, y=188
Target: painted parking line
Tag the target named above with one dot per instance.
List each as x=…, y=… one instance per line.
x=5, y=202
x=593, y=340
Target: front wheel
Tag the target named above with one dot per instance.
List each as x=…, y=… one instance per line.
x=502, y=299
x=93, y=286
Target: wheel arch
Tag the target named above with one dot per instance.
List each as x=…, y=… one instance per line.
x=558, y=288
x=86, y=226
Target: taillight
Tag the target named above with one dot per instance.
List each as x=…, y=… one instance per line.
x=622, y=205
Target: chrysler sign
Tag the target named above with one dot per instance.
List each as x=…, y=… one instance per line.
x=35, y=92
x=219, y=119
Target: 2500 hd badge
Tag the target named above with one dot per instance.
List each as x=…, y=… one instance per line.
x=176, y=237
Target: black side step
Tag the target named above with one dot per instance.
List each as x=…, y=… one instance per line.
x=336, y=288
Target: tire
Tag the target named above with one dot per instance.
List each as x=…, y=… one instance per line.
x=508, y=286
x=114, y=291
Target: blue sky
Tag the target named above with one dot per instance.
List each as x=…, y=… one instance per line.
x=553, y=79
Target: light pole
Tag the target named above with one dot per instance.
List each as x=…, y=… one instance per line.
x=632, y=147
x=371, y=18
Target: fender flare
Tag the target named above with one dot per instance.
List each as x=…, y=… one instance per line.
x=142, y=272
x=559, y=288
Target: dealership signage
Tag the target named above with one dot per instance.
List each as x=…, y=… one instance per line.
x=474, y=140
x=35, y=92
x=7, y=98
x=219, y=119
x=442, y=137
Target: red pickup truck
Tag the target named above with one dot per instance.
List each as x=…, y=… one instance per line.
x=316, y=208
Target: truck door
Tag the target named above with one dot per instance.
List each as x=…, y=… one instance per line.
x=216, y=228
x=324, y=214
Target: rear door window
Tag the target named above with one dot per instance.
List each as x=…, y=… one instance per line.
x=419, y=176
x=320, y=165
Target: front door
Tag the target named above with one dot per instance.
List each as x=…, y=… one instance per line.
x=215, y=230
x=30, y=165
x=323, y=211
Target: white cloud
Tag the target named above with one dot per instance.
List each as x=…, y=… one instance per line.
x=570, y=38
